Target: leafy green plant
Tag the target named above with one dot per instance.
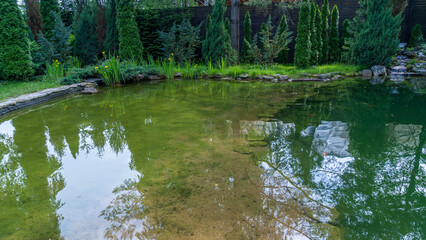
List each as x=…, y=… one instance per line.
x=110, y=70
x=54, y=71
x=191, y=70
x=168, y=67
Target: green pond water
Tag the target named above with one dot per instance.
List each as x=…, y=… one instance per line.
x=218, y=160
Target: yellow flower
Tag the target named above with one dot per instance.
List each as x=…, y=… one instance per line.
x=172, y=54
x=106, y=66
x=103, y=52
x=170, y=59
x=96, y=67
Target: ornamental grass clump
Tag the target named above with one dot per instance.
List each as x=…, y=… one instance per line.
x=54, y=71
x=168, y=67
x=110, y=70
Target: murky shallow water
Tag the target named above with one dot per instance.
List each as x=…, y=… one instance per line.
x=218, y=160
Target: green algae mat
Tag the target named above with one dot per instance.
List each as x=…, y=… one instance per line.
x=218, y=160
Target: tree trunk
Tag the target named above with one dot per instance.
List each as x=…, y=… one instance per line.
x=235, y=24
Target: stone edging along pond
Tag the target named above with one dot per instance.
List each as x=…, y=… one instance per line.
x=32, y=99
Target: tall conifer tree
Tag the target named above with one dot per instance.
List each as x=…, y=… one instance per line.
x=282, y=29
x=111, y=43
x=130, y=42
x=334, y=46
x=15, y=58
x=317, y=37
x=325, y=13
x=34, y=21
x=47, y=8
x=86, y=44
x=247, y=37
x=302, y=55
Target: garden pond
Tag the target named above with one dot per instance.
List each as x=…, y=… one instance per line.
x=218, y=160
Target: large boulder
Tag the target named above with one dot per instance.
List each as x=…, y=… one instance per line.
x=379, y=70
x=367, y=73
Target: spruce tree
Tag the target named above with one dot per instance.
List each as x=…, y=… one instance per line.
x=130, y=43
x=111, y=43
x=282, y=29
x=317, y=38
x=302, y=55
x=325, y=13
x=86, y=44
x=217, y=44
x=416, y=37
x=335, y=48
x=47, y=8
x=60, y=38
x=376, y=31
x=15, y=58
x=247, y=37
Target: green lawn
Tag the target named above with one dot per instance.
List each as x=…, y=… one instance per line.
x=10, y=89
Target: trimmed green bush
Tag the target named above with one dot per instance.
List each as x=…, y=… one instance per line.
x=15, y=59
x=130, y=47
x=47, y=9
x=111, y=43
x=86, y=44
x=335, y=48
x=325, y=13
x=247, y=37
x=376, y=32
x=282, y=29
x=416, y=37
x=302, y=55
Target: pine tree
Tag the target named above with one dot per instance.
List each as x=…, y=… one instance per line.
x=85, y=47
x=34, y=21
x=302, y=55
x=317, y=37
x=60, y=38
x=47, y=8
x=217, y=44
x=375, y=33
x=130, y=42
x=283, y=28
x=15, y=58
x=335, y=48
x=325, y=13
x=247, y=37
x=416, y=37
x=111, y=43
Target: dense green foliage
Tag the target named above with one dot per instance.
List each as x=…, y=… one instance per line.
x=416, y=37
x=228, y=25
x=208, y=22
x=86, y=44
x=59, y=40
x=302, y=55
x=180, y=42
x=47, y=9
x=247, y=37
x=270, y=45
x=335, y=48
x=217, y=45
x=325, y=13
x=32, y=8
x=282, y=29
x=375, y=33
x=111, y=43
x=130, y=43
x=15, y=58
x=316, y=36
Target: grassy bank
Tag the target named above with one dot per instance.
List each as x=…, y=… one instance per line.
x=10, y=89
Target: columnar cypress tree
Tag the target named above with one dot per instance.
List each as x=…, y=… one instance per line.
x=416, y=37
x=345, y=38
x=247, y=37
x=208, y=22
x=34, y=16
x=228, y=25
x=317, y=37
x=130, y=42
x=325, y=13
x=283, y=28
x=111, y=43
x=15, y=58
x=375, y=31
x=334, y=46
x=302, y=55
x=46, y=9
x=86, y=44
x=217, y=44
